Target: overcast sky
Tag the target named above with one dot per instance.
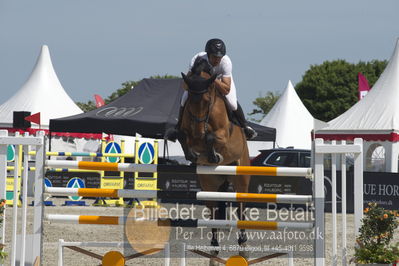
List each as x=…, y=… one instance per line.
x=96, y=45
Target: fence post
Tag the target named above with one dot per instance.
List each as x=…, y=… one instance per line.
x=343, y=204
x=318, y=196
x=3, y=182
x=358, y=184
x=38, y=197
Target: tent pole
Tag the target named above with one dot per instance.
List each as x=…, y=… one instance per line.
x=165, y=147
x=49, y=140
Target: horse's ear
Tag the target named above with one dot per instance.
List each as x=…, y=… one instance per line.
x=184, y=78
x=212, y=79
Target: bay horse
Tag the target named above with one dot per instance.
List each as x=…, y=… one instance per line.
x=208, y=137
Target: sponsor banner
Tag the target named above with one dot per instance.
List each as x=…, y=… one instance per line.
x=379, y=187
x=61, y=179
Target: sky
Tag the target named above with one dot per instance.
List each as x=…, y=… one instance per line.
x=96, y=45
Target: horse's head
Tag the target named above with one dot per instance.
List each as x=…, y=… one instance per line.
x=198, y=84
x=199, y=102
x=200, y=79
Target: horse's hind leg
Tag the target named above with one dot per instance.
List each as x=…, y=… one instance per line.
x=217, y=209
x=215, y=214
x=242, y=236
x=241, y=184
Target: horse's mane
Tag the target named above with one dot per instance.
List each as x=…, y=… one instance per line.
x=201, y=65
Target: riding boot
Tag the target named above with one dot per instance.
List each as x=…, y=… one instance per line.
x=172, y=133
x=250, y=133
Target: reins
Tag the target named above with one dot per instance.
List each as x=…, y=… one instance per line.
x=208, y=114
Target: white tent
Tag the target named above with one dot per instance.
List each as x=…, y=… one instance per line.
x=291, y=119
x=42, y=92
x=375, y=118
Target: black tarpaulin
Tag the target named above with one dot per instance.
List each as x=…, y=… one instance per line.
x=149, y=109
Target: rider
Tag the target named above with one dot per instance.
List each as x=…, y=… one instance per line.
x=215, y=54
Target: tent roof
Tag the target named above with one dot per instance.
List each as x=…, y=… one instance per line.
x=149, y=109
x=42, y=92
x=376, y=116
x=292, y=120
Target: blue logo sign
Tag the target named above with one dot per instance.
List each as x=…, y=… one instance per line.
x=75, y=182
x=146, y=153
x=112, y=147
x=10, y=153
x=47, y=182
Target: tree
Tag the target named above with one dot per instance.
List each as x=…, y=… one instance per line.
x=329, y=89
x=263, y=105
x=126, y=87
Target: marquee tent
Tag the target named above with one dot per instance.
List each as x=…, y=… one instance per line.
x=42, y=92
x=375, y=118
x=292, y=121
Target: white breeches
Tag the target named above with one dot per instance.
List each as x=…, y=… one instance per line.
x=231, y=97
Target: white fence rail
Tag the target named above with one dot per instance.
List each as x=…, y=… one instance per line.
x=31, y=246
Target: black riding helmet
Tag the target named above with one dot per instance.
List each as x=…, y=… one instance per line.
x=215, y=47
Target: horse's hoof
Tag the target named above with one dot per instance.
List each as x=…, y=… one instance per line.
x=244, y=253
x=219, y=158
x=215, y=158
x=213, y=262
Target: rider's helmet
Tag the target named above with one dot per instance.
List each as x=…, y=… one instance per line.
x=215, y=47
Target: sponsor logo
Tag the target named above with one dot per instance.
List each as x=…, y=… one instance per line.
x=119, y=111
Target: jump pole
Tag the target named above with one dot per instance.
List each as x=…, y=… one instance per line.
x=195, y=223
x=85, y=154
x=65, y=170
x=202, y=195
x=239, y=224
x=183, y=169
x=87, y=219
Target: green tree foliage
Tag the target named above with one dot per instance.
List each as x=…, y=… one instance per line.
x=329, y=89
x=126, y=87
x=88, y=106
x=263, y=105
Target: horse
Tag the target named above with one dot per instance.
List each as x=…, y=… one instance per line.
x=208, y=137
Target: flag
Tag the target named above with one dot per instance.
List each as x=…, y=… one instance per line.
x=35, y=118
x=363, y=85
x=99, y=101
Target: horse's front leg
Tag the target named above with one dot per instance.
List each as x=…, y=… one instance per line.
x=189, y=154
x=217, y=213
x=213, y=156
x=242, y=236
x=241, y=184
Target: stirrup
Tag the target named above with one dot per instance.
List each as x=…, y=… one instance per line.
x=171, y=134
x=250, y=133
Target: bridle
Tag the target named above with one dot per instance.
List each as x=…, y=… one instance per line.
x=205, y=119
